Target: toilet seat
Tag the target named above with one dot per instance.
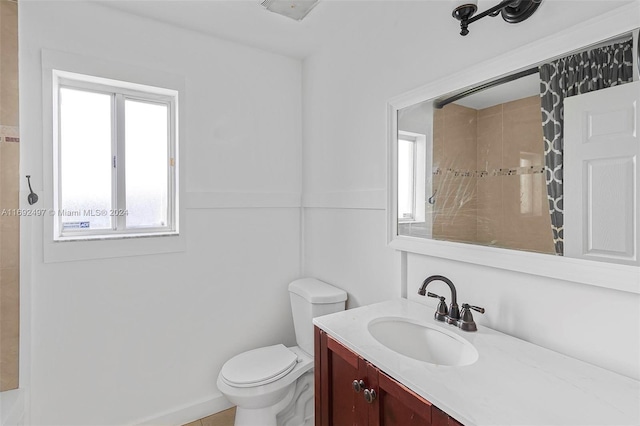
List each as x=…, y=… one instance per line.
x=258, y=366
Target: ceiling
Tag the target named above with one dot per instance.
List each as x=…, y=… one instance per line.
x=337, y=21
x=247, y=22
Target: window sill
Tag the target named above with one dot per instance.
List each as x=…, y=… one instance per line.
x=122, y=236
x=105, y=247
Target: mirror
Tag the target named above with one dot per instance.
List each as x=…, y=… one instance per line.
x=477, y=166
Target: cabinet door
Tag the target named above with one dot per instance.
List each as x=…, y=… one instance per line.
x=395, y=404
x=336, y=367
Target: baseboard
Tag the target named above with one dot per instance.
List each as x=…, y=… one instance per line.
x=189, y=413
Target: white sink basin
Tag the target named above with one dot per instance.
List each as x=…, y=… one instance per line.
x=423, y=342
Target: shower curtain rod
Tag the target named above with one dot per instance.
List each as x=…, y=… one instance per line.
x=506, y=79
x=439, y=104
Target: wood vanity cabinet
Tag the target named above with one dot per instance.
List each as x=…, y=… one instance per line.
x=337, y=402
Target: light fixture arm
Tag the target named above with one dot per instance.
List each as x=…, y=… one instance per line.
x=513, y=11
x=491, y=11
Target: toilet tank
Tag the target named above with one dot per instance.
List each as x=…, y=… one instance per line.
x=312, y=298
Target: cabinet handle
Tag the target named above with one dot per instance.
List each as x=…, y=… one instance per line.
x=358, y=385
x=369, y=395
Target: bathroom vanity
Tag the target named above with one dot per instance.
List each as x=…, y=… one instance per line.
x=371, y=398
x=366, y=374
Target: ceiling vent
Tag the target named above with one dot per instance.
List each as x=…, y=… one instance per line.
x=294, y=9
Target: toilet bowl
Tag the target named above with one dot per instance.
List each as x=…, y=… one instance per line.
x=270, y=385
x=259, y=403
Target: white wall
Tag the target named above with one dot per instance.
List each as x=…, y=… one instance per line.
x=124, y=340
x=344, y=180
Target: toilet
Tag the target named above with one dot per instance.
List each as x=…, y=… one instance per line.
x=273, y=385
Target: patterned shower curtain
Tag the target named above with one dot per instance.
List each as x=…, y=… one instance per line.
x=576, y=74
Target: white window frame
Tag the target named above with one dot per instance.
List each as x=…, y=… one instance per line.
x=134, y=76
x=119, y=91
x=403, y=136
x=422, y=159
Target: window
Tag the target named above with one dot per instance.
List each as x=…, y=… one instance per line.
x=114, y=158
x=407, y=177
x=414, y=177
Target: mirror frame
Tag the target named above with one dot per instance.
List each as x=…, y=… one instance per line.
x=623, y=20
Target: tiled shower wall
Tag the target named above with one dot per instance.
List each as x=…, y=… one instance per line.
x=488, y=174
x=9, y=193
x=513, y=211
x=455, y=145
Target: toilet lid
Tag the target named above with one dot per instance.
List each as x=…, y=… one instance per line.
x=258, y=366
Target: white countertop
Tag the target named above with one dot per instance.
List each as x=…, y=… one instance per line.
x=513, y=382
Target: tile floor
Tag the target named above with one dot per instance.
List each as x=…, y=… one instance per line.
x=223, y=418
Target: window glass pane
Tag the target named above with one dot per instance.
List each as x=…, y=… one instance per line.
x=85, y=160
x=146, y=145
x=406, y=179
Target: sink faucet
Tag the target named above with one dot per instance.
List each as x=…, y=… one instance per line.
x=452, y=315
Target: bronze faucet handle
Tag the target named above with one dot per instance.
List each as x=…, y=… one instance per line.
x=475, y=308
x=442, y=311
x=466, y=321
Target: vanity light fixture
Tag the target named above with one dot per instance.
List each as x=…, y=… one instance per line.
x=513, y=11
